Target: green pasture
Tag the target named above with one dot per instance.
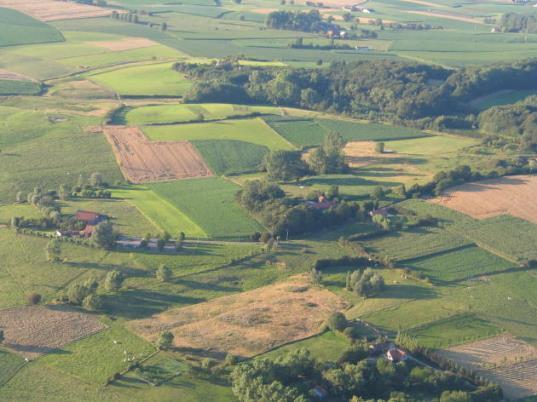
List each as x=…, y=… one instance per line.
x=9, y=364
x=48, y=148
x=501, y=98
x=307, y=132
x=226, y=157
x=211, y=204
x=19, y=87
x=184, y=113
x=459, y=264
x=161, y=213
x=19, y=29
x=458, y=329
x=144, y=80
x=434, y=145
x=255, y=131
x=415, y=242
x=507, y=236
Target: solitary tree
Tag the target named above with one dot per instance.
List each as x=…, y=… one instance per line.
x=165, y=340
x=379, y=147
x=53, y=250
x=96, y=179
x=113, y=280
x=92, y=302
x=104, y=235
x=20, y=197
x=2, y=337
x=164, y=273
x=316, y=277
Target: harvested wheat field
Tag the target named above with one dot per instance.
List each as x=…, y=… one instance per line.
x=35, y=330
x=362, y=153
x=511, y=195
x=503, y=359
x=144, y=161
x=248, y=323
x=126, y=44
x=52, y=10
x=448, y=16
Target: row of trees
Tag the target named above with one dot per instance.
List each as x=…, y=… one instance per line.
x=513, y=22
x=296, y=376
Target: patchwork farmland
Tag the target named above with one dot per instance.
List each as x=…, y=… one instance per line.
x=267, y=200
x=144, y=161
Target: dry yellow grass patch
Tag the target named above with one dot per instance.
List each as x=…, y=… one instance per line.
x=249, y=323
x=511, y=195
x=504, y=359
x=12, y=76
x=362, y=153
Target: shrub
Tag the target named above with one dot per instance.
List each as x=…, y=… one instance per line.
x=113, y=280
x=92, y=302
x=165, y=340
x=34, y=298
x=164, y=273
x=337, y=321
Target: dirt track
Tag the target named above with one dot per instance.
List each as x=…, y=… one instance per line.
x=248, y=323
x=144, y=161
x=511, y=195
x=35, y=330
x=52, y=10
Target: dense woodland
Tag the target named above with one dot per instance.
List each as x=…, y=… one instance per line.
x=397, y=91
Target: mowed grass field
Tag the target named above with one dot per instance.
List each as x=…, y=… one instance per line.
x=306, y=132
x=144, y=80
x=159, y=212
x=183, y=113
x=226, y=157
x=20, y=29
x=501, y=98
x=254, y=131
x=211, y=204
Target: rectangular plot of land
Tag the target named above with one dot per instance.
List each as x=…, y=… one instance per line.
x=35, y=330
x=504, y=359
x=512, y=195
x=248, y=323
x=52, y=10
x=143, y=161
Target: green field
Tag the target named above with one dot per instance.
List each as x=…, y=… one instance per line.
x=16, y=87
x=254, y=131
x=144, y=80
x=434, y=145
x=211, y=204
x=184, y=113
x=231, y=157
x=19, y=29
x=459, y=264
x=501, y=98
x=311, y=132
x=417, y=242
x=507, y=236
x=159, y=212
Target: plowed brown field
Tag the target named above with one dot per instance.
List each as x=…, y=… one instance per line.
x=248, y=323
x=35, y=330
x=511, y=195
x=143, y=161
x=52, y=10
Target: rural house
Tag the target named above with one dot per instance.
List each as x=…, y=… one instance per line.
x=89, y=217
x=322, y=203
x=396, y=355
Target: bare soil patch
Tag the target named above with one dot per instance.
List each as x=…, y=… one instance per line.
x=126, y=44
x=143, y=161
x=504, y=359
x=52, y=10
x=512, y=195
x=35, y=330
x=11, y=76
x=248, y=323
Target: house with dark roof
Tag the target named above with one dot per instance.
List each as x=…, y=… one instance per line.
x=396, y=355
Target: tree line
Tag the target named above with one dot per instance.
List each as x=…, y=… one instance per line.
x=401, y=92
